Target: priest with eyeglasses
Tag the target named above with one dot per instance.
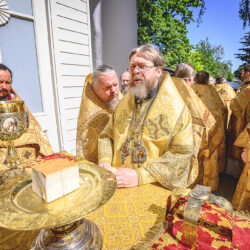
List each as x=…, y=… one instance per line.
x=149, y=137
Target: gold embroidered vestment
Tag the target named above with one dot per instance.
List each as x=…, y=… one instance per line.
x=205, y=139
x=240, y=117
x=241, y=198
x=215, y=104
x=167, y=137
x=93, y=116
x=226, y=93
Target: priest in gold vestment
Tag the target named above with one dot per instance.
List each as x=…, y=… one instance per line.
x=209, y=96
x=29, y=146
x=149, y=137
x=245, y=78
x=99, y=99
x=241, y=198
x=204, y=129
x=34, y=142
x=240, y=117
x=226, y=93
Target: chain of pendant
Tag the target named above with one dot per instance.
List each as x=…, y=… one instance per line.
x=139, y=120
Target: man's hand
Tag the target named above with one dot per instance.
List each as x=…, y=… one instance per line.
x=108, y=166
x=126, y=177
x=105, y=164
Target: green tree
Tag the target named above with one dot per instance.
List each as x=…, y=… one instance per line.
x=237, y=72
x=211, y=59
x=245, y=55
x=244, y=12
x=163, y=23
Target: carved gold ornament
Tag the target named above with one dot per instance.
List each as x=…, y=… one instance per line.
x=4, y=13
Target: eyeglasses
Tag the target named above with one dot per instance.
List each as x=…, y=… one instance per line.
x=141, y=68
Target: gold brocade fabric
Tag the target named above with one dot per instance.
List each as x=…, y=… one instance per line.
x=226, y=93
x=93, y=116
x=211, y=171
x=129, y=215
x=204, y=125
x=241, y=88
x=167, y=137
x=31, y=144
x=241, y=198
x=213, y=101
x=16, y=240
x=240, y=117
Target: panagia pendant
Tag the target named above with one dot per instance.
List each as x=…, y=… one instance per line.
x=139, y=153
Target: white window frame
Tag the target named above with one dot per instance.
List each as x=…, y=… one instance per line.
x=48, y=119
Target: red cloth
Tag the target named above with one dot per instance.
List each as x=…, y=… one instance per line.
x=216, y=228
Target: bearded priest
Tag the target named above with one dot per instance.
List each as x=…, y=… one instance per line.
x=149, y=137
x=99, y=99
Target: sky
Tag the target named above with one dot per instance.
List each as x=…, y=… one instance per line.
x=222, y=25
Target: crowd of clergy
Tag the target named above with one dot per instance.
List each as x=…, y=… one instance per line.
x=178, y=129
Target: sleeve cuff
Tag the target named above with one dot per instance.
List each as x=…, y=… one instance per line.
x=144, y=177
x=104, y=159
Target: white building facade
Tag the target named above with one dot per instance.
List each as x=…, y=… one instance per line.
x=51, y=45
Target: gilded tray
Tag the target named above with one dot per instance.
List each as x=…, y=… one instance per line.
x=22, y=209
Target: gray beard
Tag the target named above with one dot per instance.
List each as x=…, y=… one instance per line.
x=112, y=104
x=139, y=91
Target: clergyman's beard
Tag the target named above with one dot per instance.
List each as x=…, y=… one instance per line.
x=4, y=97
x=112, y=104
x=244, y=79
x=139, y=91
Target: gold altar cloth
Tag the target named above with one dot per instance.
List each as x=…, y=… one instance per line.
x=126, y=218
x=123, y=221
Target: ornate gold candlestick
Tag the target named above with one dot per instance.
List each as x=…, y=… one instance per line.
x=14, y=121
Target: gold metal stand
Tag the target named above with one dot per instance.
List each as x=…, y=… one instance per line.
x=11, y=158
x=62, y=220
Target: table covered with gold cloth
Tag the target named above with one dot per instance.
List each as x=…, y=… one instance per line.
x=123, y=221
x=130, y=214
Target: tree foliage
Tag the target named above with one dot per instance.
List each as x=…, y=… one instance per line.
x=244, y=12
x=245, y=55
x=211, y=59
x=237, y=72
x=163, y=23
